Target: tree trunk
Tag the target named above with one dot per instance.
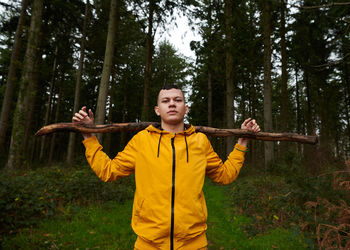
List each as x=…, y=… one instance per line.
x=26, y=88
x=71, y=143
x=107, y=66
x=347, y=95
x=252, y=89
x=11, y=77
x=148, y=68
x=229, y=72
x=125, y=102
x=49, y=102
x=210, y=83
x=210, y=99
x=53, y=138
x=308, y=151
x=298, y=105
x=268, y=146
x=284, y=82
x=108, y=139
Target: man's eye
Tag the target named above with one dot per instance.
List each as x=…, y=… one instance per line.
x=164, y=101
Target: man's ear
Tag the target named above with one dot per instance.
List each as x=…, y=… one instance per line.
x=186, y=109
x=156, y=109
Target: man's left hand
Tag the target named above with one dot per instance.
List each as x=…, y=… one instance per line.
x=251, y=125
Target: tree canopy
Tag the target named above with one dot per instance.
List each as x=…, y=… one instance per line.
x=284, y=63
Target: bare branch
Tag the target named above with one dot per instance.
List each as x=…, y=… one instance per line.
x=132, y=127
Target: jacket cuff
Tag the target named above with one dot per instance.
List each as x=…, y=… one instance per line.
x=240, y=148
x=90, y=141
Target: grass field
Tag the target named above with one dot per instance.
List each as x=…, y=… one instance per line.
x=107, y=226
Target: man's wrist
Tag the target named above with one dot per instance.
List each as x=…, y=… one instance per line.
x=86, y=136
x=243, y=142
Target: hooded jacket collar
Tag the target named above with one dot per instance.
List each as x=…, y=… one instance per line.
x=189, y=129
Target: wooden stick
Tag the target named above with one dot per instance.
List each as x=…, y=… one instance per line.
x=137, y=126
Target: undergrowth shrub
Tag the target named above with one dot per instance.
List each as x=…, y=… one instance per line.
x=268, y=200
x=290, y=198
x=27, y=197
x=332, y=219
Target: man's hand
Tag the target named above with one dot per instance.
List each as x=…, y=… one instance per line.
x=83, y=118
x=249, y=124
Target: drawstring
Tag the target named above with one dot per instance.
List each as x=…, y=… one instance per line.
x=186, y=146
x=160, y=137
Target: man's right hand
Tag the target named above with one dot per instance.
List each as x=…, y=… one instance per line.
x=84, y=118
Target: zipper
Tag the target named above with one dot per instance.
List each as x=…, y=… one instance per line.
x=172, y=197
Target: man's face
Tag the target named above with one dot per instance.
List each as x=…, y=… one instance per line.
x=171, y=106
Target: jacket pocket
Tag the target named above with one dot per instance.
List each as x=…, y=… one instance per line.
x=138, y=210
x=203, y=206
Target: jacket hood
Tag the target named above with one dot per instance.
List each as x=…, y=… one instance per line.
x=189, y=129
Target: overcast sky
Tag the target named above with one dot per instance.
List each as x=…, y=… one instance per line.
x=179, y=36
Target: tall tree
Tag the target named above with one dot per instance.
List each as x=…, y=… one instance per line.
x=71, y=144
x=49, y=102
x=268, y=146
x=27, y=88
x=12, y=77
x=210, y=79
x=148, y=67
x=229, y=71
x=284, y=78
x=107, y=65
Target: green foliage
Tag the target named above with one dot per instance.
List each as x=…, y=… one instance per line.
x=105, y=226
x=287, y=200
x=28, y=197
x=228, y=229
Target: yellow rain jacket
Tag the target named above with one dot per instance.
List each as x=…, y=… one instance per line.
x=169, y=210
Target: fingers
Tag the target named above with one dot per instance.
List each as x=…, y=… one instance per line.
x=246, y=121
x=81, y=115
x=251, y=124
x=256, y=128
x=91, y=115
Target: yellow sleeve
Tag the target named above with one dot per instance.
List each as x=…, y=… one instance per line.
x=224, y=173
x=105, y=168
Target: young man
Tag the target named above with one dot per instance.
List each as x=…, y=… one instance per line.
x=170, y=163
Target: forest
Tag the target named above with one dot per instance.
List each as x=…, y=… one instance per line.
x=285, y=63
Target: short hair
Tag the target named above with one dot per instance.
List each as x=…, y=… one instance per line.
x=171, y=86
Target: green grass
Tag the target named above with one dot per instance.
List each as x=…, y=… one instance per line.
x=107, y=226
x=226, y=230
x=104, y=226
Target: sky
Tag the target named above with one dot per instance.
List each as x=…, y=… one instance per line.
x=180, y=36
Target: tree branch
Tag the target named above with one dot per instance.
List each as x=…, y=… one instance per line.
x=137, y=126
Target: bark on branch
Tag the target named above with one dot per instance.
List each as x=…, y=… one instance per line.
x=137, y=126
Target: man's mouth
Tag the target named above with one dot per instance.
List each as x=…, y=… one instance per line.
x=172, y=112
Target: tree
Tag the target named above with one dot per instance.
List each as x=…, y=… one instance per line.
x=27, y=90
x=269, y=151
x=71, y=144
x=148, y=66
x=12, y=77
x=107, y=65
x=229, y=72
x=284, y=78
